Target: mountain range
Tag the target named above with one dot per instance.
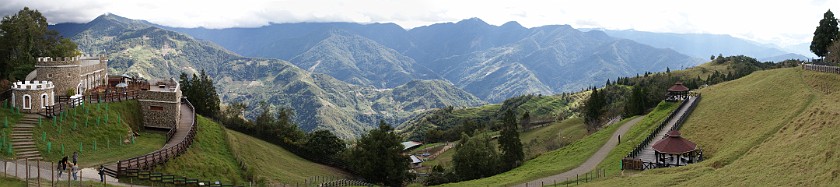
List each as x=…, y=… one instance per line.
x=345, y=77
x=705, y=45
x=319, y=101
x=491, y=62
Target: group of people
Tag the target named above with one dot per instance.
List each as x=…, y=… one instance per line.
x=65, y=164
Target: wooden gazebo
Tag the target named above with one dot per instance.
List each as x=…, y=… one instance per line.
x=673, y=150
x=677, y=92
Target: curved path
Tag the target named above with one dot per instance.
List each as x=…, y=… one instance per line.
x=590, y=163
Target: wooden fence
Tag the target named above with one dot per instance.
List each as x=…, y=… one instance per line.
x=132, y=166
x=157, y=178
x=65, y=102
x=821, y=68
x=631, y=162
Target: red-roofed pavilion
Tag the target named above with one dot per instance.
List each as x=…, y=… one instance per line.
x=673, y=150
x=677, y=92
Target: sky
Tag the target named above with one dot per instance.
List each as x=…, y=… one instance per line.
x=777, y=22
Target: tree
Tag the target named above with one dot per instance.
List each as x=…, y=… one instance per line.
x=377, y=157
x=208, y=96
x=201, y=92
x=475, y=158
x=825, y=34
x=833, y=52
x=25, y=36
x=712, y=58
x=286, y=130
x=636, y=104
x=323, y=146
x=509, y=143
x=593, y=109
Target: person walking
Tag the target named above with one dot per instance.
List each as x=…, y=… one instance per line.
x=75, y=157
x=75, y=171
x=60, y=167
x=101, y=173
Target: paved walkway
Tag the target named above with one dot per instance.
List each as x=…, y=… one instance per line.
x=184, y=126
x=590, y=163
x=647, y=154
x=18, y=169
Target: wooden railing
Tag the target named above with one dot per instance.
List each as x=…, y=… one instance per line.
x=652, y=135
x=64, y=102
x=630, y=160
x=150, y=160
x=821, y=68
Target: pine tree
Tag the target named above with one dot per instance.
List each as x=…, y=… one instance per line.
x=377, y=157
x=475, y=158
x=825, y=34
x=509, y=143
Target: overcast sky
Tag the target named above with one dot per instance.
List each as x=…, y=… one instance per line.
x=767, y=21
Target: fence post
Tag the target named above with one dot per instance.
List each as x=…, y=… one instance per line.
x=38, y=167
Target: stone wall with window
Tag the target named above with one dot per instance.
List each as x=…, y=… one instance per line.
x=32, y=96
x=161, y=106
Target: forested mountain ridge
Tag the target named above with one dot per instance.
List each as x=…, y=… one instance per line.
x=319, y=100
x=491, y=62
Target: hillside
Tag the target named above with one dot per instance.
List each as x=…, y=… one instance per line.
x=361, y=61
x=769, y=128
x=450, y=120
x=217, y=153
x=320, y=101
x=98, y=133
x=275, y=164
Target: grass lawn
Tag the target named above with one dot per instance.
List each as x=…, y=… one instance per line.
x=554, y=136
x=11, y=182
x=549, y=163
x=275, y=164
x=99, y=132
x=771, y=128
x=8, y=118
x=535, y=142
x=209, y=158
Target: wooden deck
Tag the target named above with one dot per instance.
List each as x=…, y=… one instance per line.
x=647, y=154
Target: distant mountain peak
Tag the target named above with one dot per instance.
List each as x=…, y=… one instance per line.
x=473, y=22
x=512, y=24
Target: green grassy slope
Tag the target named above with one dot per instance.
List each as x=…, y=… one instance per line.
x=541, y=108
x=107, y=127
x=771, y=128
x=209, y=157
x=275, y=164
x=636, y=134
x=8, y=118
x=549, y=163
x=11, y=182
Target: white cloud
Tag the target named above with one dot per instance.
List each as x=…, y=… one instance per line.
x=778, y=22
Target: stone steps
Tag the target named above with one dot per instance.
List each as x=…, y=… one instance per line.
x=22, y=138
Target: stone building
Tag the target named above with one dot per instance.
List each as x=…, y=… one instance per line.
x=71, y=73
x=32, y=96
x=160, y=104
